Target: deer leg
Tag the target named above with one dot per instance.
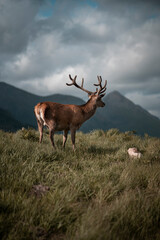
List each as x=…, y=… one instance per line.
x=40, y=128
x=65, y=133
x=51, y=135
x=73, y=133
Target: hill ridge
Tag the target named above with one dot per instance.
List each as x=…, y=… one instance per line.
x=4, y=84
x=119, y=112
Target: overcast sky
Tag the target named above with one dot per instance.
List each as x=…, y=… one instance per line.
x=42, y=41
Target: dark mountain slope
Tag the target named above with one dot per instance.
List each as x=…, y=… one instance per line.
x=21, y=103
x=119, y=111
x=7, y=122
x=124, y=114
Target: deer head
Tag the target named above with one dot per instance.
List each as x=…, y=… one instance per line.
x=95, y=97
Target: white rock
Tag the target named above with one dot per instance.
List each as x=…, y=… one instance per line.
x=133, y=152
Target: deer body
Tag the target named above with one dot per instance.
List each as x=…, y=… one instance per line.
x=65, y=117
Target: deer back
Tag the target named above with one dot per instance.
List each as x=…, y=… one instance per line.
x=63, y=116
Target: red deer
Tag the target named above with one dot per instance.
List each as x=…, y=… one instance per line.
x=65, y=117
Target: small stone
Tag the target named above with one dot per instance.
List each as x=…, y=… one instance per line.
x=134, y=153
x=39, y=190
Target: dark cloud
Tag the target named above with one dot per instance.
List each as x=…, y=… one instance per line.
x=16, y=24
x=43, y=41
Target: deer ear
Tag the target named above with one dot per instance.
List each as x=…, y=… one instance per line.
x=89, y=95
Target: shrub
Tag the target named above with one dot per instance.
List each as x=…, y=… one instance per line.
x=29, y=134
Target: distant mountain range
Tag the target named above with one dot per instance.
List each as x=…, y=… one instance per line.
x=16, y=110
x=7, y=122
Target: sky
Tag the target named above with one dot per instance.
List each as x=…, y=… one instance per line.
x=43, y=41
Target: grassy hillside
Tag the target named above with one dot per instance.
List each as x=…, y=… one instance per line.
x=95, y=193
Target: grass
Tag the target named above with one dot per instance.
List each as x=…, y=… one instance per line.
x=98, y=192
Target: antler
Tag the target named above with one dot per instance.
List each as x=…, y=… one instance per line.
x=102, y=89
x=76, y=85
x=98, y=91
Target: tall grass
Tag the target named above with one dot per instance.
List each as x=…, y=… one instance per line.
x=98, y=192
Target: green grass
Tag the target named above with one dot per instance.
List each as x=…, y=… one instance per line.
x=96, y=192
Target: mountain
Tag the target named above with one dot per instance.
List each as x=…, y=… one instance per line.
x=124, y=114
x=7, y=122
x=119, y=111
x=21, y=103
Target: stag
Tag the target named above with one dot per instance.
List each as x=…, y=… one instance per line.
x=65, y=117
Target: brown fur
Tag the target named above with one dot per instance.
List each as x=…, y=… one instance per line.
x=65, y=117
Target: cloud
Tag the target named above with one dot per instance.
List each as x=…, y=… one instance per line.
x=44, y=41
x=16, y=24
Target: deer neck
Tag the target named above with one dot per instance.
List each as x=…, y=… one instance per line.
x=89, y=109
